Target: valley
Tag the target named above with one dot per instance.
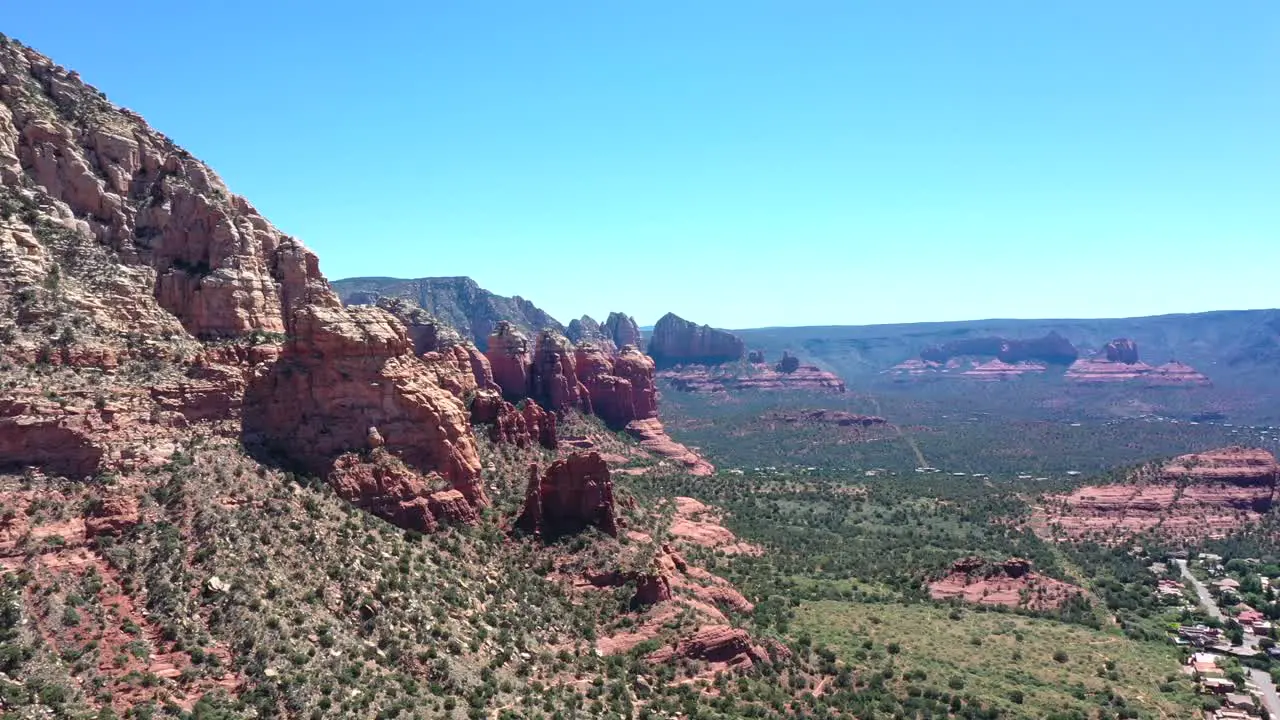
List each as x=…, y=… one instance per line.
x=230, y=488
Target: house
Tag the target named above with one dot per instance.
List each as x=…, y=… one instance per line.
x=1249, y=617
x=1200, y=635
x=1239, y=701
x=1209, y=558
x=1227, y=584
x=1218, y=686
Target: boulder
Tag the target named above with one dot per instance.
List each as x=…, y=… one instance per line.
x=112, y=515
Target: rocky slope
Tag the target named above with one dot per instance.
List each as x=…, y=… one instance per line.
x=1192, y=496
x=1010, y=583
x=676, y=341
x=155, y=327
x=458, y=301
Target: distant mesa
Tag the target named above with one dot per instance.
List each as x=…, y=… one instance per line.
x=996, y=358
x=987, y=358
x=734, y=378
x=1052, y=349
x=1000, y=370
x=1119, y=362
x=1191, y=497
x=676, y=341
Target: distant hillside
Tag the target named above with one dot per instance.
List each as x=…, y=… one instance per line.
x=458, y=301
x=1228, y=345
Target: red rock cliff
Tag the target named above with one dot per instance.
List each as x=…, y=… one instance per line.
x=573, y=494
x=153, y=257
x=677, y=341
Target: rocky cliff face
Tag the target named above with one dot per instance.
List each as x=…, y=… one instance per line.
x=458, y=301
x=573, y=494
x=622, y=330
x=1121, y=350
x=118, y=247
x=616, y=386
x=677, y=341
x=1193, y=496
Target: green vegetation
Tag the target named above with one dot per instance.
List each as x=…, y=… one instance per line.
x=1022, y=667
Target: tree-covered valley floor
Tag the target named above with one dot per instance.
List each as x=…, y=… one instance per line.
x=248, y=591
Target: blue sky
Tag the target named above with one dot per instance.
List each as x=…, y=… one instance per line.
x=740, y=163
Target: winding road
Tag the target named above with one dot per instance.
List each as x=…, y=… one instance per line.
x=1259, y=677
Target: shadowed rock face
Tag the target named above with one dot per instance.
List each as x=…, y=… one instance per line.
x=1052, y=349
x=573, y=494
x=677, y=341
x=1121, y=350
x=622, y=330
x=458, y=301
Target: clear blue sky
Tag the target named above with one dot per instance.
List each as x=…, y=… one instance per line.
x=741, y=163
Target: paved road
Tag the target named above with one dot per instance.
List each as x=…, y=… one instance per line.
x=1260, y=678
x=1206, y=600
x=1269, y=697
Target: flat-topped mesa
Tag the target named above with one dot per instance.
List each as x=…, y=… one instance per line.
x=1196, y=496
x=701, y=378
x=1236, y=465
x=1052, y=349
x=677, y=341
